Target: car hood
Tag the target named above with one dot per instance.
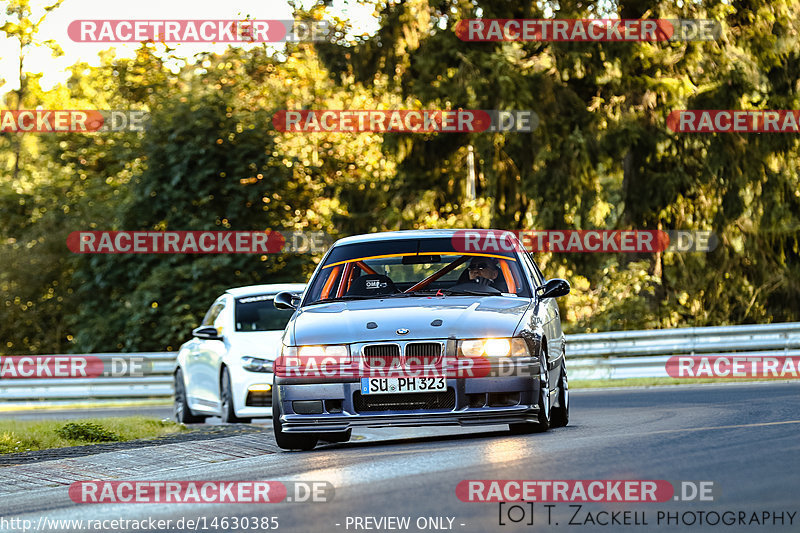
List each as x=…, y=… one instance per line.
x=460, y=316
x=263, y=344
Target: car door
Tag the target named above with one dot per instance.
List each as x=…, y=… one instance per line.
x=192, y=351
x=552, y=323
x=201, y=359
x=216, y=351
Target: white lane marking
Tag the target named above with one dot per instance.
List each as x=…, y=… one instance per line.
x=708, y=428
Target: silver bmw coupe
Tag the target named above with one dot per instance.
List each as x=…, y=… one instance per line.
x=420, y=328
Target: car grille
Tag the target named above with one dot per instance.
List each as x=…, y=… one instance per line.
x=382, y=355
x=404, y=402
x=388, y=355
x=423, y=353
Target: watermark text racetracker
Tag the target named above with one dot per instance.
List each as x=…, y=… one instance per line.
x=255, y=522
x=197, y=242
x=205, y=492
x=734, y=121
x=608, y=490
x=588, y=30
x=72, y=366
x=749, y=366
x=413, y=374
x=580, y=241
x=405, y=120
x=72, y=121
x=198, y=31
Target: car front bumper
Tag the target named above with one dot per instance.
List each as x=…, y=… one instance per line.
x=252, y=394
x=507, y=400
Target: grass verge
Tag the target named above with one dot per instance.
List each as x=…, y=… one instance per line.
x=23, y=436
x=649, y=382
x=56, y=405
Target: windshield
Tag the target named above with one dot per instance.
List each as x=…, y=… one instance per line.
x=397, y=268
x=258, y=313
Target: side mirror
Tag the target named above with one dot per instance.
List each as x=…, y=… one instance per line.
x=207, y=333
x=553, y=288
x=286, y=300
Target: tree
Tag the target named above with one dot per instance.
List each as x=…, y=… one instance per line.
x=22, y=28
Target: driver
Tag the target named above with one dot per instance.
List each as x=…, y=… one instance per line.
x=484, y=270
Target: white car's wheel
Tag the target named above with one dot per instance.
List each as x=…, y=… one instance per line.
x=180, y=407
x=226, y=391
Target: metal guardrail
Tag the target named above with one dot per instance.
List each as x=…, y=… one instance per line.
x=592, y=356
x=644, y=354
x=155, y=383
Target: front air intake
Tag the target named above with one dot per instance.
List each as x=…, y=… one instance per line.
x=381, y=355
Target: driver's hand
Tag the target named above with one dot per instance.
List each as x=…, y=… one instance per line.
x=480, y=280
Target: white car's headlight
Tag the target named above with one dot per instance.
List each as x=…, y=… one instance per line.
x=501, y=347
x=255, y=364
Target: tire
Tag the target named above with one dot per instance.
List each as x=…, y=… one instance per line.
x=559, y=417
x=543, y=423
x=180, y=407
x=288, y=441
x=226, y=393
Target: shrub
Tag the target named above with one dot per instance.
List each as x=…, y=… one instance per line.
x=87, y=432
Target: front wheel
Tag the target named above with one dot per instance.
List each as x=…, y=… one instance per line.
x=228, y=412
x=544, y=404
x=288, y=441
x=180, y=408
x=560, y=416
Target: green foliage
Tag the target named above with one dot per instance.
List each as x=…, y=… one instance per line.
x=18, y=436
x=602, y=157
x=87, y=432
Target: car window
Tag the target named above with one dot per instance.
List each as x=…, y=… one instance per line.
x=412, y=273
x=536, y=275
x=219, y=321
x=381, y=268
x=258, y=313
x=213, y=313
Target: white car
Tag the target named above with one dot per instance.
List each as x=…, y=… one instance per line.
x=226, y=369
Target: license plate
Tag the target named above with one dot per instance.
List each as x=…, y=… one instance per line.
x=402, y=385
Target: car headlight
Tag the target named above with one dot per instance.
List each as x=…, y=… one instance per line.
x=502, y=347
x=341, y=351
x=254, y=364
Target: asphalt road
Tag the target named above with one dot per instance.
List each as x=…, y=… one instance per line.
x=744, y=438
